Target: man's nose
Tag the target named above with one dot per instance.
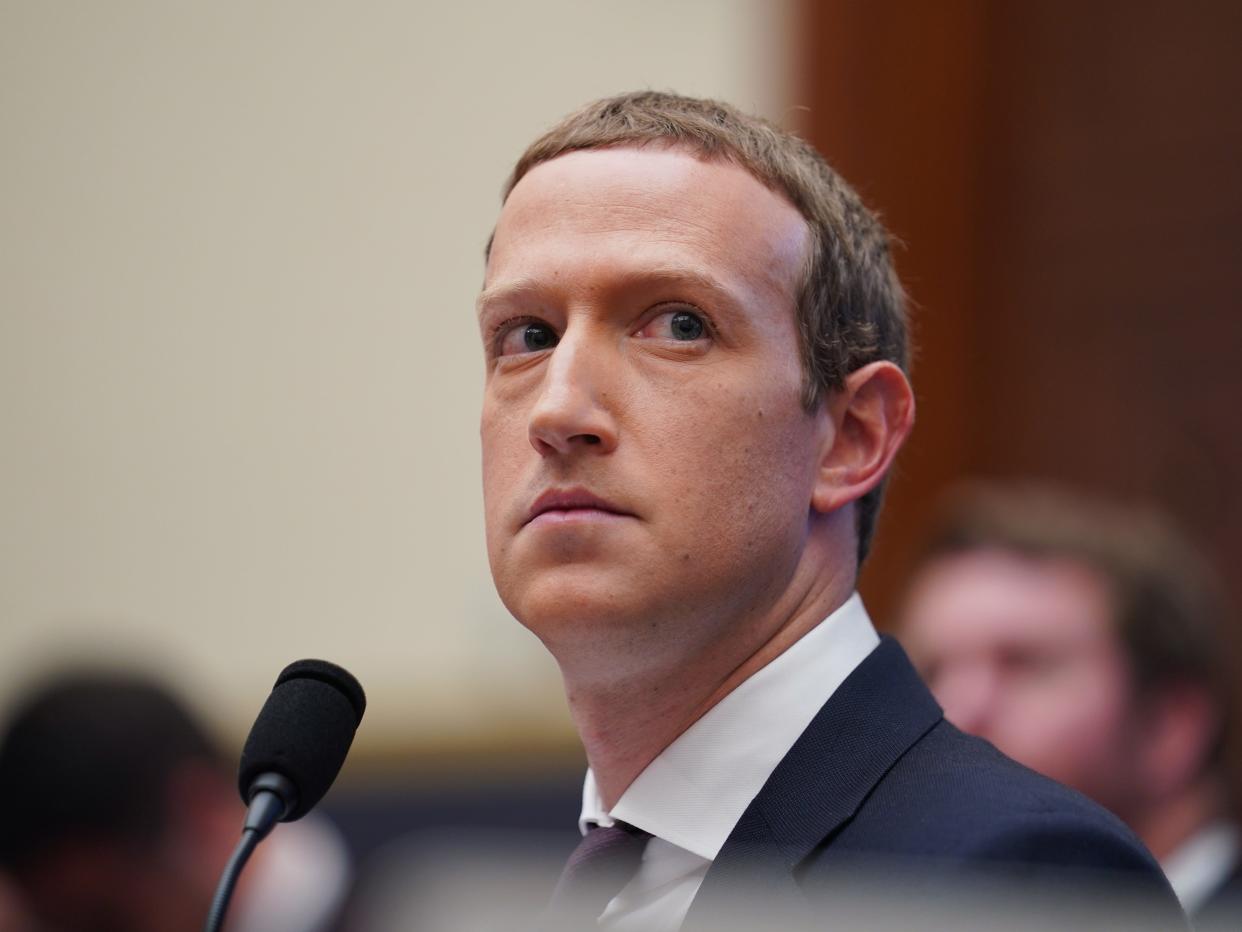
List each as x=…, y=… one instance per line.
x=573, y=411
x=968, y=694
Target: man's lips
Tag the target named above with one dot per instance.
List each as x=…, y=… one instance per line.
x=570, y=505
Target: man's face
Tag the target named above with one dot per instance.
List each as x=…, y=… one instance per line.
x=1023, y=652
x=647, y=463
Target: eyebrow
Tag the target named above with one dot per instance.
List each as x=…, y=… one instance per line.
x=499, y=294
x=629, y=280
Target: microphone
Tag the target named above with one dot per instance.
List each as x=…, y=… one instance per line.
x=293, y=753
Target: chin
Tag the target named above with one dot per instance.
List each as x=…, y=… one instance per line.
x=562, y=605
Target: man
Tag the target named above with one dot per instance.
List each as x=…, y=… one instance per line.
x=1083, y=639
x=695, y=350
x=117, y=813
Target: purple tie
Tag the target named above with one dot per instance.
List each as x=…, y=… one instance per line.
x=603, y=863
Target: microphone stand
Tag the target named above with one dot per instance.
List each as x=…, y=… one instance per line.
x=228, y=880
x=272, y=797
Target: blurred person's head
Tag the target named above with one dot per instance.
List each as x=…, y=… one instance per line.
x=1083, y=639
x=115, y=813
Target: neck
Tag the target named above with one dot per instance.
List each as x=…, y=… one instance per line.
x=1175, y=821
x=625, y=723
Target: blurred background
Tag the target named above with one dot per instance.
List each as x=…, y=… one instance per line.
x=239, y=372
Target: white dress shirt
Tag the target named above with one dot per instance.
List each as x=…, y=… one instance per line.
x=692, y=795
x=1202, y=863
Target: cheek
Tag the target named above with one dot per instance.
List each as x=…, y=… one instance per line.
x=1072, y=729
x=737, y=469
x=502, y=438
x=503, y=431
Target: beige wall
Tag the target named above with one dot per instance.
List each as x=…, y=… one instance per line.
x=239, y=376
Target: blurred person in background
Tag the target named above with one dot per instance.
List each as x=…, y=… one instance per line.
x=13, y=916
x=1084, y=640
x=118, y=813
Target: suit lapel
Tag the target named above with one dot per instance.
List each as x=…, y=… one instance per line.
x=873, y=718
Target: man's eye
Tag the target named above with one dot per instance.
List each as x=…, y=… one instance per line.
x=686, y=326
x=1030, y=663
x=683, y=326
x=530, y=337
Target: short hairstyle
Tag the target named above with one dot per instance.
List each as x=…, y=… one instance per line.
x=1167, y=607
x=89, y=755
x=851, y=309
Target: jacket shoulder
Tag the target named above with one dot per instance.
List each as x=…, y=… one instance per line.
x=953, y=797
x=959, y=829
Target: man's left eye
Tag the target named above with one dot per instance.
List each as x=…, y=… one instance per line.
x=681, y=325
x=686, y=326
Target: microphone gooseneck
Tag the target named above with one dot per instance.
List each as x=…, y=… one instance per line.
x=293, y=753
x=228, y=880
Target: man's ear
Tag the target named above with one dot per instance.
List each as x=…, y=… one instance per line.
x=1180, y=725
x=872, y=415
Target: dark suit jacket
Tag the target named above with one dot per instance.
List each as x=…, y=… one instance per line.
x=881, y=790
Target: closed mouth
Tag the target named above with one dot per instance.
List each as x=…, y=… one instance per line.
x=571, y=500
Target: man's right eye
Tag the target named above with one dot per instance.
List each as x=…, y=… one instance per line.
x=529, y=337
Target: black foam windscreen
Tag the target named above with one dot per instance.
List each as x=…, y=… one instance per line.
x=304, y=731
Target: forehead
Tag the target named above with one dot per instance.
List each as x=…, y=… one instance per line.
x=994, y=596
x=630, y=209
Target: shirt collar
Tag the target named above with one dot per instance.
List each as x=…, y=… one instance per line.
x=694, y=792
x=1201, y=864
